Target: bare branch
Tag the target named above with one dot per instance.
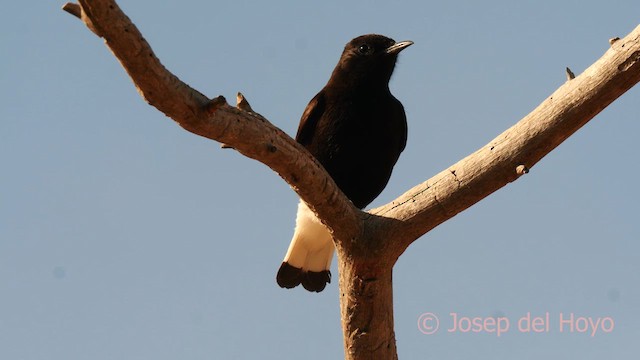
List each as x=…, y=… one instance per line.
x=496, y=164
x=247, y=132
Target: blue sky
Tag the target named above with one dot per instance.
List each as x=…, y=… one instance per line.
x=124, y=237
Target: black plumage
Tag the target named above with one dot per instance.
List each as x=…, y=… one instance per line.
x=356, y=129
x=354, y=126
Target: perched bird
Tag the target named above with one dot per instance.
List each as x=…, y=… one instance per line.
x=357, y=130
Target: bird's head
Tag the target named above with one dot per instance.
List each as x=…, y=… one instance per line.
x=368, y=60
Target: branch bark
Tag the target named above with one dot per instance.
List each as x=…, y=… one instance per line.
x=515, y=151
x=247, y=132
x=368, y=244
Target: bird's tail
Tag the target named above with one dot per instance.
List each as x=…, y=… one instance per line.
x=308, y=259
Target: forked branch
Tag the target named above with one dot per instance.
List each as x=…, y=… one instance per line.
x=368, y=244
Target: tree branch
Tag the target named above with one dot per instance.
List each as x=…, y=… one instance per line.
x=368, y=244
x=247, y=132
x=519, y=148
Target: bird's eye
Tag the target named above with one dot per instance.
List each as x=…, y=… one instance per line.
x=365, y=49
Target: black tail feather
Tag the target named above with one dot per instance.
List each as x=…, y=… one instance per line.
x=316, y=281
x=291, y=276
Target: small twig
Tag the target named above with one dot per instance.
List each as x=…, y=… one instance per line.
x=77, y=11
x=242, y=103
x=612, y=40
x=73, y=9
x=214, y=104
x=570, y=74
x=522, y=169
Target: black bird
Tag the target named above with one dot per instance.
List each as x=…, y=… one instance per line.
x=356, y=129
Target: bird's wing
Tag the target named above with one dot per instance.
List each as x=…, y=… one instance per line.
x=403, y=125
x=310, y=118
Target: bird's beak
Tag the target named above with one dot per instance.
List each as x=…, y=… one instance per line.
x=397, y=47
